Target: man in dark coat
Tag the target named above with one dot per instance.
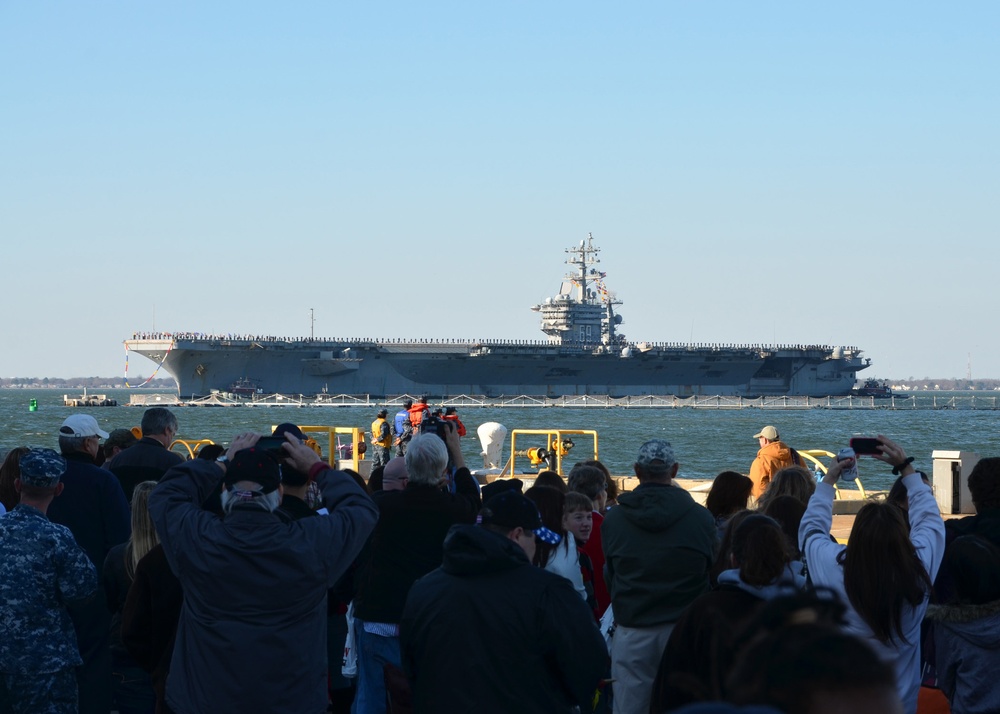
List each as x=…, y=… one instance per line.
x=252, y=631
x=94, y=508
x=490, y=632
x=984, y=485
x=149, y=458
x=406, y=544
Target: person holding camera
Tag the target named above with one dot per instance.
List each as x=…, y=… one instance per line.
x=252, y=631
x=406, y=545
x=884, y=574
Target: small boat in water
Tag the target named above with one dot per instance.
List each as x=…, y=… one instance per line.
x=245, y=387
x=879, y=389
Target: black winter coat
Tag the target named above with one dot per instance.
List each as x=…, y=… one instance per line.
x=489, y=632
x=252, y=629
x=408, y=541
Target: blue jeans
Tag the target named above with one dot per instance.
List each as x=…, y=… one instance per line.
x=374, y=652
x=133, y=690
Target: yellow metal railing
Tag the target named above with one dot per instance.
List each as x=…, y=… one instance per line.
x=814, y=454
x=356, y=447
x=557, y=444
x=192, y=446
x=357, y=444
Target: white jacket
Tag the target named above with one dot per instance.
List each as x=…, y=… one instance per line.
x=927, y=535
x=565, y=561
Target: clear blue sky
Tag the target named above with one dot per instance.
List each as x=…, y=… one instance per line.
x=754, y=172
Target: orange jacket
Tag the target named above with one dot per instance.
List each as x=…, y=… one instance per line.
x=770, y=460
x=459, y=426
x=417, y=415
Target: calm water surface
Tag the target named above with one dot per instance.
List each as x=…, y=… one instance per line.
x=705, y=441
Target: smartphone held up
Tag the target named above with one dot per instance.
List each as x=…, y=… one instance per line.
x=866, y=446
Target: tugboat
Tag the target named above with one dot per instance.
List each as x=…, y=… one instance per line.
x=245, y=387
x=879, y=389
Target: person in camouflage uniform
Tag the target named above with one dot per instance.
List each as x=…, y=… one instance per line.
x=42, y=570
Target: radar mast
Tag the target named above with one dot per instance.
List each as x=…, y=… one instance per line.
x=583, y=311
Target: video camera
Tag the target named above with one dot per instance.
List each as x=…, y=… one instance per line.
x=433, y=424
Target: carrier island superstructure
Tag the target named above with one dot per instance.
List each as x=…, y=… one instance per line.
x=584, y=354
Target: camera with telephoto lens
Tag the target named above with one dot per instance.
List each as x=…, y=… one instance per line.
x=433, y=424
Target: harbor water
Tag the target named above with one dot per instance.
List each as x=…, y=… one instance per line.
x=706, y=441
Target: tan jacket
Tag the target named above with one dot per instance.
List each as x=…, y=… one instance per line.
x=770, y=460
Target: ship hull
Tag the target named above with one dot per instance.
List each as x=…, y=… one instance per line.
x=387, y=369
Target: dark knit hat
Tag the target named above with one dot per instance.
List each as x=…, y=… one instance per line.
x=501, y=485
x=254, y=465
x=288, y=428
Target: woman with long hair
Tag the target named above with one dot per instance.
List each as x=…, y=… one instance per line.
x=9, y=471
x=796, y=481
x=729, y=494
x=885, y=572
x=552, y=480
x=788, y=512
x=133, y=689
x=701, y=649
x=561, y=559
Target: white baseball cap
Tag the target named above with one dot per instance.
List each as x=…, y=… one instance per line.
x=81, y=425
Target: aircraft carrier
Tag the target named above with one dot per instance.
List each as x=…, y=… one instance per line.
x=584, y=354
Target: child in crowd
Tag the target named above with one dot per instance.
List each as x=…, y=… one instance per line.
x=560, y=558
x=578, y=520
x=592, y=482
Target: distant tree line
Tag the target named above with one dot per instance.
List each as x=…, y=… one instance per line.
x=82, y=382
x=950, y=385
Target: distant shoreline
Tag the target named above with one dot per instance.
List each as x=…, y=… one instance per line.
x=90, y=383
x=898, y=385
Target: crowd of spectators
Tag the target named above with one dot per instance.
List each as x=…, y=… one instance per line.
x=256, y=577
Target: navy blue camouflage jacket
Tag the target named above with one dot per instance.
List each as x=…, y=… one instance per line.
x=42, y=570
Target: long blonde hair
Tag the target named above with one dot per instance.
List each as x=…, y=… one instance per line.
x=143, y=538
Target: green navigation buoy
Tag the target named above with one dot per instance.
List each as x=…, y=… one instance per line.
x=32, y=405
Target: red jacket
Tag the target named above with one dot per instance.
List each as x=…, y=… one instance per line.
x=595, y=550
